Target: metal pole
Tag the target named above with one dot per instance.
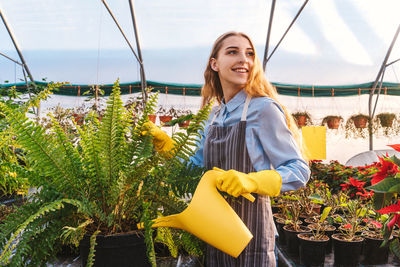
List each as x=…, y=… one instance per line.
x=371, y=94
x=120, y=29
x=17, y=47
x=271, y=16
x=142, y=73
x=13, y=60
x=287, y=30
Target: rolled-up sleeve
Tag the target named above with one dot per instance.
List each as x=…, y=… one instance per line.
x=279, y=149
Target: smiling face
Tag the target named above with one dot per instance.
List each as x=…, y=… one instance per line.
x=233, y=64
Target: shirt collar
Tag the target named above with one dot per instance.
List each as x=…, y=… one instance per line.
x=235, y=102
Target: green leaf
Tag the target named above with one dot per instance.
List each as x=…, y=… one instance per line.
x=325, y=213
x=386, y=185
x=395, y=247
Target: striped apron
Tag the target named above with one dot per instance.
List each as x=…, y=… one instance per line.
x=225, y=148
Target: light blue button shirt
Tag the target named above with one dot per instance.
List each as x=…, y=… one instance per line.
x=268, y=139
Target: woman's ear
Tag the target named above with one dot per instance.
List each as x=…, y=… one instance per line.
x=213, y=64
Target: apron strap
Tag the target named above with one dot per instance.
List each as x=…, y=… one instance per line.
x=244, y=113
x=246, y=106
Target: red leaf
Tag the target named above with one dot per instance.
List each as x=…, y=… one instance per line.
x=390, y=209
x=395, y=147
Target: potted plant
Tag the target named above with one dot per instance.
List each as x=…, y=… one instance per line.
x=293, y=227
x=386, y=124
x=332, y=121
x=166, y=115
x=313, y=245
x=96, y=190
x=356, y=126
x=347, y=244
x=386, y=183
x=302, y=118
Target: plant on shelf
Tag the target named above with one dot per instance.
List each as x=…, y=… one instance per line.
x=357, y=126
x=302, y=118
x=100, y=186
x=332, y=121
x=386, y=124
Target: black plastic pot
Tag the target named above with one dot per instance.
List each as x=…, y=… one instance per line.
x=279, y=223
x=373, y=254
x=120, y=250
x=292, y=242
x=312, y=252
x=346, y=253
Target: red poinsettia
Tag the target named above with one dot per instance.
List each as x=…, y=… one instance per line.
x=395, y=147
x=365, y=194
x=392, y=209
x=354, y=182
x=385, y=168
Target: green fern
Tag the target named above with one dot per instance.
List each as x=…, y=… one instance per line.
x=107, y=178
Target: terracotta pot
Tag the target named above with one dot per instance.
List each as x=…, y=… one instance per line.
x=360, y=121
x=79, y=118
x=301, y=120
x=152, y=118
x=333, y=122
x=165, y=118
x=312, y=252
x=386, y=121
x=184, y=124
x=347, y=253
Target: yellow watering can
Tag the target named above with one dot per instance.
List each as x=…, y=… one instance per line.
x=211, y=218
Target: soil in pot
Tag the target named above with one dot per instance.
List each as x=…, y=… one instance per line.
x=292, y=242
x=346, y=253
x=373, y=253
x=312, y=250
x=119, y=250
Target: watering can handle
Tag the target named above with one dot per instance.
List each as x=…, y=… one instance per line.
x=249, y=196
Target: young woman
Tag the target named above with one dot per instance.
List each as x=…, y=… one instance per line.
x=249, y=143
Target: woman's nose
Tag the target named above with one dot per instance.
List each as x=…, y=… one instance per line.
x=243, y=57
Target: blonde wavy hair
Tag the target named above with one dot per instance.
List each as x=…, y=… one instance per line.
x=256, y=86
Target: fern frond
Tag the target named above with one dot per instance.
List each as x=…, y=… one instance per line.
x=91, y=257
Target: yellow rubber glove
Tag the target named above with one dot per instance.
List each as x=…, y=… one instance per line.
x=266, y=182
x=162, y=142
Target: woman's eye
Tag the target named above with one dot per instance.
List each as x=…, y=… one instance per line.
x=232, y=52
x=251, y=54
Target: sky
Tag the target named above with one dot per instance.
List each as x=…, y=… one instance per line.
x=333, y=42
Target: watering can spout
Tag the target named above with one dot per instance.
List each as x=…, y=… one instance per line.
x=210, y=218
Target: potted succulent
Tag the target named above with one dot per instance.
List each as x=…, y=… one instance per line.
x=95, y=190
x=356, y=126
x=386, y=124
x=332, y=121
x=302, y=118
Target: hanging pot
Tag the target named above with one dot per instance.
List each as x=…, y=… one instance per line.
x=184, y=124
x=165, y=118
x=346, y=253
x=312, y=252
x=360, y=121
x=116, y=250
x=301, y=120
x=386, y=119
x=373, y=253
x=152, y=118
x=333, y=122
x=292, y=240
